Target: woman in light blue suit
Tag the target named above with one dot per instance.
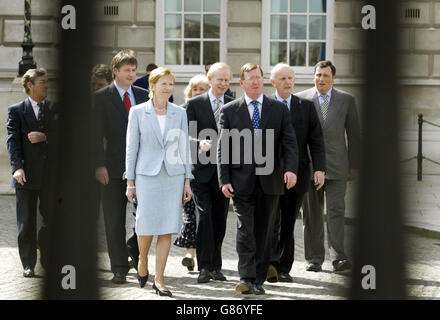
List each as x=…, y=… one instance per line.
x=158, y=172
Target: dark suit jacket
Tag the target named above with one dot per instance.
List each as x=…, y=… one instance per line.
x=199, y=109
x=31, y=157
x=308, y=133
x=242, y=175
x=111, y=119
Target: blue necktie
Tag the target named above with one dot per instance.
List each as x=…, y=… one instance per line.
x=286, y=103
x=255, y=115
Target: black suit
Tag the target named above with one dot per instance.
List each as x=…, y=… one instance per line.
x=111, y=119
x=38, y=162
x=211, y=204
x=309, y=136
x=256, y=196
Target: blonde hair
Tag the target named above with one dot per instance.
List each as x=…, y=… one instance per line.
x=197, y=79
x=216, y=66
x=30, y=76
x=154, y=77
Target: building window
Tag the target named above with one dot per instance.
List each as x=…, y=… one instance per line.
x=297, y=32
x=192, y=33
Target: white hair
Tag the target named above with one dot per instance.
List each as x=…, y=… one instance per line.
x=277, y=68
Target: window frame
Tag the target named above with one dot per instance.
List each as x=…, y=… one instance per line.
x=185, y=70
x=304, y=72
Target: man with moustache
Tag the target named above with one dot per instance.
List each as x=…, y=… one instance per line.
x=255, y=190
x=308, y=133
x=111, y=107
x=31, y=143
x=339, y=120
x=212, y=205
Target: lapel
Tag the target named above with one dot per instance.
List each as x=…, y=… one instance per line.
x=170, y=118
x=333, y=106
x=137, y=95
x=317, y=106
x=206, y=104
x=117, y=103
x=295, y=103
x=152, y=119
x=265, y=112
x=29, y=114
x=243, y=114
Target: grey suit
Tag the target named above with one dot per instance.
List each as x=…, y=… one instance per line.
x=342, y=152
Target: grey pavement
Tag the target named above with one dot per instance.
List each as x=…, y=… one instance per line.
x=423, y=259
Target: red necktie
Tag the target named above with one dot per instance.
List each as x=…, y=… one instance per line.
x=127, y=102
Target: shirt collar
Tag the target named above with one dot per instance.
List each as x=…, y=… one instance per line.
x=329, y=93
x=288, y=99
x=249, y=100
x=122, y=91
x=34, y=103
x=212, y=97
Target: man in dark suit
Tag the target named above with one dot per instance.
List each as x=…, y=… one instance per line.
x=30, y=140
x=255, y=135
x=340, y=125
x=203, y=111
x=308, y=133
x=111, y=107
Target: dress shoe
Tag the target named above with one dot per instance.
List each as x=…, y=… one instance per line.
x=314, y=267
x=272, y=274
x=28, y=272
x=244, y=287
x=341, y=265
x=142, y=280
x=258, y=289
x=284, y=277
x=134, y=261
x=189, y=263
x=164, y=293
x=119, y=278
x=204, y=276
x=217, y=275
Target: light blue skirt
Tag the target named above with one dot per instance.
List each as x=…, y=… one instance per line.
x=159, y=200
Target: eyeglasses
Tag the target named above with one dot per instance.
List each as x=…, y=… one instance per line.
x=252, y=79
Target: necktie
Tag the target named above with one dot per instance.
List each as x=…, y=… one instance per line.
x=324, y=106
x=216, y=109
x=255, y=115
x=127, y=102
x=285, y=102
x=40, y=112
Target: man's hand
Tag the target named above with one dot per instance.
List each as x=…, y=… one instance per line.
x=319, y=178
x=228, y=191
x=20, y=176
x=352, y=174
x=289, y=179
x=205, y=145
x=101, y=175
x=36, y=137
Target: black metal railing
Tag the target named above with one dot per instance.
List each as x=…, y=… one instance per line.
x=420, y=157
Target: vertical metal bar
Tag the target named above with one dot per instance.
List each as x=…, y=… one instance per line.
x=27, y=61
x=72, y=269
x=419, y=153
x=378, y=271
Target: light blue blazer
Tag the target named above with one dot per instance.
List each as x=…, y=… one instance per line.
x=147, y=149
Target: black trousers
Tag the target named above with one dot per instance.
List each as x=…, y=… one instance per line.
x=212, y=206
x=26, y=205
x=114, y=204
x=283, y=241
x=256, y=214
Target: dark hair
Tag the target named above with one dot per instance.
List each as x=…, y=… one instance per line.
x=151, y=67
x=123, y=57
x=103, y=71
x=30, y=76
x=325, y=64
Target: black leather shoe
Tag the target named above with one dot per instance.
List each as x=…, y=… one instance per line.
x=217, y=275
x=258, y=289
x=341, y=265
x=272, y=274
x=189, y=263
x=134, y=261
x=284, y=277
x=314, y=267
x=28, y=272
x=142, y=280
x=204, y=276
x=244, y=287
x=119, y=278
x=164, y=293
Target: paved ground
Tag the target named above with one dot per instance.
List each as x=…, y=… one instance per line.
x=423, y=264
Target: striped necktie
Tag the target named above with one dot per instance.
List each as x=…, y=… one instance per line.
x=324, y=106
x=216, y=109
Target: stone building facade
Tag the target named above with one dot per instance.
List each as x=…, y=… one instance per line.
x=186, y=34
